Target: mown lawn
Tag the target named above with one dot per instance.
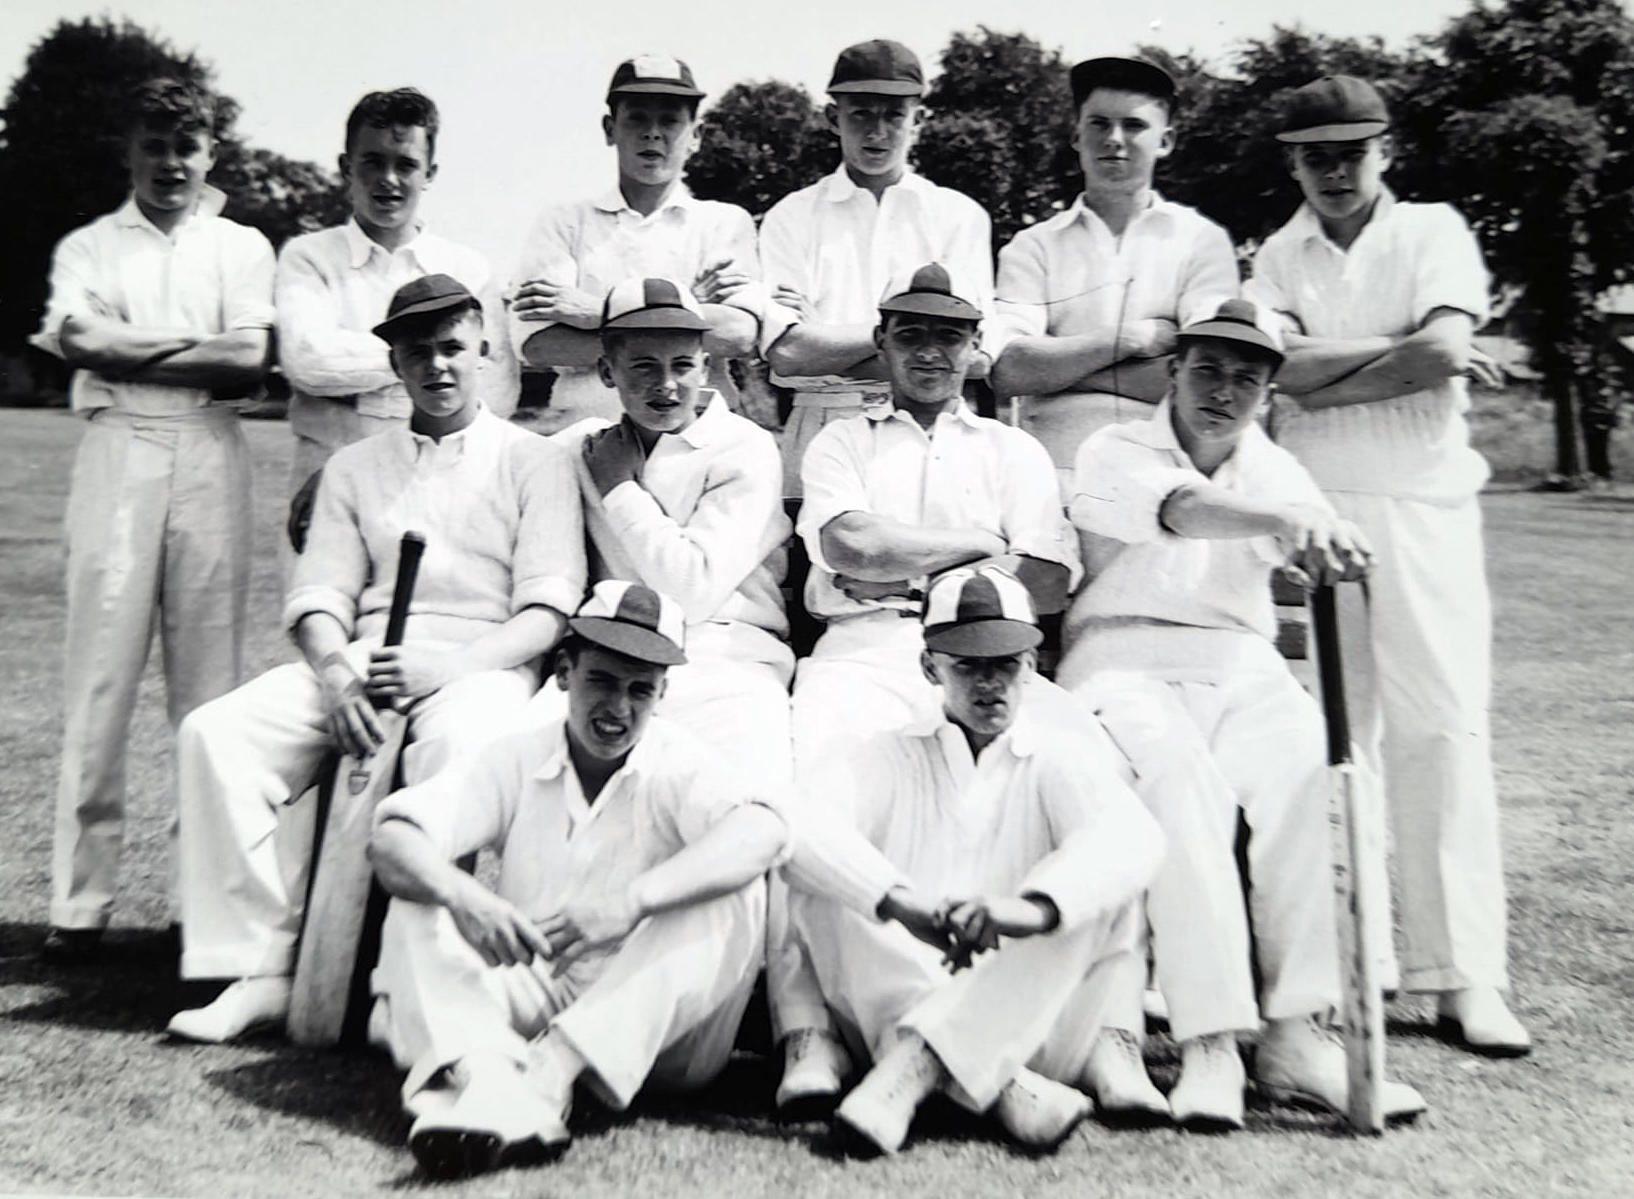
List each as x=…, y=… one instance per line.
x=94, y=1101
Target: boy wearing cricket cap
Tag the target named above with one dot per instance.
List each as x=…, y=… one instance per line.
x=621, y=941
x=1090, y=299
x=1382, y=298
x=910, y=490
x=334, y=284
x=830, y=249
x=155, y=306
x=684, y=496
x=1172, y=645
x=503, y=565
x=647, y=225
x=976, y=840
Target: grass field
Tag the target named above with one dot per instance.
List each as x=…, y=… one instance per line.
x=94, y=1101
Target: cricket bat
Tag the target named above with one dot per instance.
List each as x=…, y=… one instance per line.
x=1356, y=837
x=329, y=969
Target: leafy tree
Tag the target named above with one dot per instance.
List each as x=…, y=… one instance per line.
x=1000, y=128
x=758, y=143
x=62, y=160
x=1536, y=106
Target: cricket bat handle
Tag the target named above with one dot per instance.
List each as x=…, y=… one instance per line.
x=409, y=552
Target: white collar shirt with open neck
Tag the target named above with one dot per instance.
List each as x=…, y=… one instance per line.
x=1123, y=474
x=705, y=525
x=1408, y=260
x=596, y=243
x=1032, y=812
x=334, y=286
x=522, y=798
x=839, y=247
x=966, y=471
x=209, y=275
x=1072, y=275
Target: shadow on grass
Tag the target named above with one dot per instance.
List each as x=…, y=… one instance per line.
x=130, y=985
x=304, y=1083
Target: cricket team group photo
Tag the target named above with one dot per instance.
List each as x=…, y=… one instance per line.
x=833, y=677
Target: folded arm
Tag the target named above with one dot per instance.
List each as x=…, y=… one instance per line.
x=880, y=550
x=1440, y=349
x=175, y=357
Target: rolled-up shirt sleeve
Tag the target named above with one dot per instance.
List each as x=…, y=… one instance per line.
x=333, y=569
x=547, y=255
x=316, y=351
x=248, y=281
x=702, y=562
x=1021, y=295
x=1108, y=846
x=465, y=808
x=1448, y=271
x=830, y=854
x=549, y=565
x=74, y=282
x=784, y=256
x=1210, y=275
x=1033, y=523
x=1119, y=486
x=834, y=483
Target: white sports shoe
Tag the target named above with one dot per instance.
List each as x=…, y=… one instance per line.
x=881, y=1106
x=1483, y=1022
x=1039, y=1112
x=815, y=1067
x=497, y=1110
x=1303, y=1061
x=1116, y=1076
x=249, y=1003
x=1209, y=1095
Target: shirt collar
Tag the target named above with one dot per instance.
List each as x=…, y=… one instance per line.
x=1158, y=432
x=680, y=198
x=424, y=247
x=1019, y=740
x=1308, y=226
x=646, y=754
x=211, y=201
x=453, y=445
x=712, y=424
x=1081, y=211
x=839, y=186
x=885, y=412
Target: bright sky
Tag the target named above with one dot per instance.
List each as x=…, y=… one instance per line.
x=520, y=82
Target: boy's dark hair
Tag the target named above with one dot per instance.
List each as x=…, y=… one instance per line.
x=613, y=339
x=404, y=106
x=169, y=105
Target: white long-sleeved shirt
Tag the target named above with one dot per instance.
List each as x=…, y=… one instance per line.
x=839, y=247
x=333, y=287
x=1035, y=812
x=521, y=798
x=498, y=506
x=704, y=525
x=968, y=471
x=594, y=244
x=1123, y=475
x=209, y=276
x=1408, y=260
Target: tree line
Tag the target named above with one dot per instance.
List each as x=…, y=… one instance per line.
x=1520, y=114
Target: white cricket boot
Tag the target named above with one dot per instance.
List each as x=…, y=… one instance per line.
x=1116, y=1076
x=1209, y=1095
x=1038, y=1112
x=249, y=1003
x=881, y=1106
x=1303, y=1061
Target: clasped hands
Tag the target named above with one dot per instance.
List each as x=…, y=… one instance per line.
x=397, y=675
x=963, y=928
x=503, y=935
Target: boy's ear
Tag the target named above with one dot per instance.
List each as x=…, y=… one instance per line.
x=604, y=370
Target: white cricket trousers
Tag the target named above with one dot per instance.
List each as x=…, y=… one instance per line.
x=159, y=533
x=244, y=764
x=1417, y=639
x=1202, y=748
x=666, y=1003
x=1036, y=1001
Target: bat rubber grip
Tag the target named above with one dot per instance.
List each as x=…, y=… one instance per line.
x=409, y=552
x=1330, y=669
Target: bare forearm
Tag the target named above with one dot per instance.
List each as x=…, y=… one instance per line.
x=732, y=332
x=1208, y=511
x=319, y=635
x=236, y=359
x=813, y=349
x=409, y=866
x=1045, y=365
x=739, y=848
x=1434, y=354
x=112, y=348
x=1144, y=379
x=1316, y=362
x=522, y=638
x=877, y=550
x=561, y=346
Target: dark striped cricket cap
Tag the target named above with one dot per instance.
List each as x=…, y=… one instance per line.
x=980, y=612
x=651, y=304
x=633, y=620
